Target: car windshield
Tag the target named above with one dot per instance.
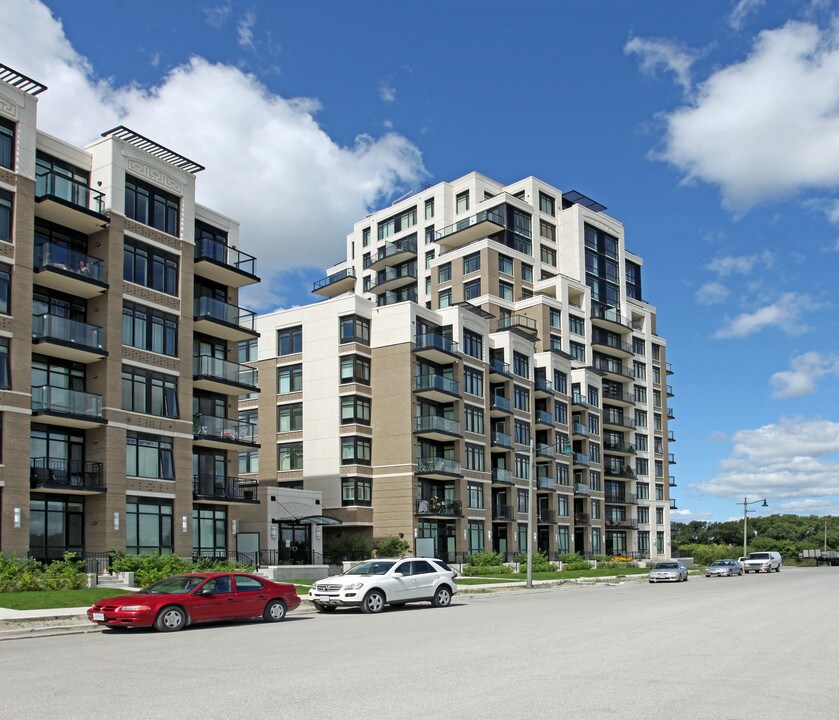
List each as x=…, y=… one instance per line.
x=372, y=567
x=173, y=585
x=666, y=566
x=719, y=562
x=758, y=556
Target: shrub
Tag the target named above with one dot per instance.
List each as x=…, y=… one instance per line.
x=391, y=546
x=487, y=570
x=484, y=559
x=66, y=574
x=29, y=580
x=573, y=561
x=348, y=546
x=540, y=562
x=706, y=554
x=150, y=568
x=11, y=569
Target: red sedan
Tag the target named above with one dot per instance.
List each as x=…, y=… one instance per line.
x=182, y=600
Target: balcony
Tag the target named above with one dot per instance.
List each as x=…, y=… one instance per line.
x=608, y=317
x=671, y=415
x=499, y=405
x=467, y=231
x=70, y=408
x=501, y=441
x=668, y=368
x=579, y=429
x=499, y=370
x=442, y=508
x=223, y=320
x=672, y=481
x=502, y=475
x=618, y=421
x=621, y=499
x=545, y=451
x=564, y=448
x=391, y=298
x=436, y=347
x=221, y=489
x=69, y=202
x=433, y=427
x=69, y=339
x=671, y=458
x=222, y=376
x=613, y=368
x=392, y=279
x=673, y=505
x=394, y=253
x=438, y=467
x=223, y=264
x=582, y=519
x=69, y=271
x=516, y=322
x=544, y=481
x=221, y=433
x=581, y=489
x=669, y=389
x=619, y=448
x=65, y=475
x=544, y=418
x=546, y=517
x=617, y=470
x=671, y=437
x=503, y=513
x=436, y=387
x=621, y=524
x=614, y=345
x=581, y=459
x=618, y=397
x=543, y=388
x=336, y=284
x=578, y=400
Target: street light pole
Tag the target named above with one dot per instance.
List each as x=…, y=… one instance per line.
x=746, y=511
x=530, y=511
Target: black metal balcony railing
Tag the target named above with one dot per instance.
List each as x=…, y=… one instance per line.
x=224, y=370
x=546, y=516
x=65, y=330
x=486, y=215
x=516, y=321
x=435, y=341
x=673, y=504
x=221, y=252
x=51, y=256
x=216, y=428
x=612, y=366
x=502, y=512
x=335, y=277
x=502, y=475
x=438, y=465
x=437, y=382
x=224, y=312
x=672, y=481
x=619, y=420
x=671, y=415
x=391, y=298
x=219, y=487
x=386, y=276
x=49, y=183
x=616, y=470
x=405, y=245
x=62, y=401
x=430, y=423
x=619, y=447
x=582, y=519
x=600, y=338
x=58, y=472
x=435, y=506
x=671, y=458
x=604, y=312
x=621, y=523
x=621, y=498
x=618, y=395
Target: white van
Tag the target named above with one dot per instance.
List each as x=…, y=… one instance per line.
x=762, y=562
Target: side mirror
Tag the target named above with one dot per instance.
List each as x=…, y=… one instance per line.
x=397, y=576
x=204, y=591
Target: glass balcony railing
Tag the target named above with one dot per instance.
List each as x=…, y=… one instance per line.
x=224, y=312
x=499, y=402
x=502, y=475
x=216, y=428
x=500, y=367
x=66, y=402
x=219, y=487
x=225, y=371
x=332, y=279
x=221, y=252
x=429, y=423
x=545, y=451
x=485, y=216
x=543, y=385
x=500, y=439
x=49, y=183
x=435, y=341
x=543, y=417
x=431, y=465
x=51, y=256
x=65, y=330
x=437, y=382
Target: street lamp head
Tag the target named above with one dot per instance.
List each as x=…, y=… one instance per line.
x=765, y=504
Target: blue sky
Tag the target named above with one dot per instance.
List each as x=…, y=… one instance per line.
x=709, y=129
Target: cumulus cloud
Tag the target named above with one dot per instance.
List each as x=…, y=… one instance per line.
x=740, y=265
x=269, y=163
x=802, y=378
x=244, y=31
x=765, y=127
x=387, y=93
x=656, y=54
x=792, y=459
x=785, y=314
x=741, y=10
x=217, y=16
x=712, y=293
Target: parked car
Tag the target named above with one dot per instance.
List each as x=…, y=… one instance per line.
x=669, y=571
x=375, y=583
x=724, y=568
x=182, y=600
x=762, y=562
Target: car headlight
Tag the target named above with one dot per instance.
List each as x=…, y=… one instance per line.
x=353, y=586
x=135, y=608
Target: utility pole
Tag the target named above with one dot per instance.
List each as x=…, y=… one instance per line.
x=746, y=510
x=530, y=511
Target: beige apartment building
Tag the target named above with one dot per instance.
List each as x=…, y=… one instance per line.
x=119, y=336
x=483, y=350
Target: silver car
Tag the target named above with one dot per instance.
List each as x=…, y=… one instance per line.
x=724, y=568
x=669, y=571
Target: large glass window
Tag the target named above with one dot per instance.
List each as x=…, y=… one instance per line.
x=149, y=527
x=149, y=456
x=145, y=391
x=547, y=204
x=476, y=537
x=505, y=264
x=5, y=365
x=462, y=202
x=6, y=215
x=521, y=365
x=150, y=267
x=471, y=263
x=472, y=289
x=355, y=410
x=475, y=457
x=5, y=289
x=397, y=223
x=473, y=382
x=356, y=491
x=56, y=526
x=290, y=456
x=152, y=206
x=473, y=345
x=473, y=419
x=290, y=417
x=248, y=462
x=290, y=379
x=149, y=329
x=355, y=369
x=7, y=144
x=355, y=451
x=289, y=341
x=209, y=531
x=505, y=290
x=476, y=496
x=354, y=329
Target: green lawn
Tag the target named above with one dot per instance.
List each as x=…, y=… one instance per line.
x=49, y=599
x=564, y=575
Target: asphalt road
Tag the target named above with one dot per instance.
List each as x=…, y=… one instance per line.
x=757, y=646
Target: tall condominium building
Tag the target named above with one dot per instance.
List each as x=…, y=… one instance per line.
x=119, y=332
x=485, y=353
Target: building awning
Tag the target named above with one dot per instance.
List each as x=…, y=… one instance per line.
x=310, y=520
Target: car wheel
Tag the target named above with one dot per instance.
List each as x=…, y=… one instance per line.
x=324, y=608
x=274, y=611
x=169, y=619
x=374, y=602
x=778, y=569
x=443, y=596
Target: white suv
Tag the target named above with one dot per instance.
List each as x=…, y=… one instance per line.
x=375, y=583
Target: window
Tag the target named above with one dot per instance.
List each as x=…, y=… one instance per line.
x=505, y=265
x=150, y=267
x=365, y=237
x=656, y=398
x=290, y=456
x=355, y=451
x=444, y=298
x=644, y=541
x=561, y=474
x=5, y=214
x=149, y=456
x=594, y=452
x=152, y=206
x=473, y=345
x=641, y=418
x=5, y=289
x=5, y=366
x=149, y=392
x=659, y=469
x=429, y=256
x=594, y=480
x=641, y=442
x=659, y=491
x=640, y=394
x=578, y=351
x=462, y=202
x=521, y=398
x=593, y=396
x=209, y=533
x=593, y=425
x=527, y=273
x=354, y=329
x=476, y=496
x=355, y=369
x=397, y=223
x=444, y=273
x=560, y=412
x=473, y=382
x=248, y=462
x=521, y=498
x=472, y=289
x=642, y=466
x=595, y=509
x=640, y=370
x=7, y=144
x=475, y=457
x=505, y=290
x=290, y=379
x=247, y=350
x=522, y=468
x=471, y=263
x=289, y=341
x=659, y=543
x=356, y=491
x=643, y=490
x=290, y=417
x=476, y=537
x=547, y=231
x=148, y=526
x=521, y=434
x=547, y=204
x=643, y=515
x=560, y=382
x=659, y=516
x=521, y=365
x=355, y=409
x=149, y=329
x=576, y=325
x=429, y=208
x=638, y=346
x=548, y=255
x=473, y=419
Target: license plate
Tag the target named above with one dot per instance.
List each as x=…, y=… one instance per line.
x=99, y=616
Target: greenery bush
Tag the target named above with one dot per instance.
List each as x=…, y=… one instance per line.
x=150, y=568
x=540, y=562
x=66, y=574
x=347, y=546
x=706, y=554
x=392, y=547
x=26, y=574
x=487, y=563
x=573, y=561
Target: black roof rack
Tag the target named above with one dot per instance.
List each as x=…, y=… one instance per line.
x=20, y=81
x=154, y=149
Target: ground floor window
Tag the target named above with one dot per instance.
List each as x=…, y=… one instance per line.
x=209, y=531
x=443, y=534
x=149, y=527
x=476, y=537
x=56, y=526
x=595, y=541
x=644, y=542
x=659, y=543
x=563, y=540
x=616, y=543
x=522, y=537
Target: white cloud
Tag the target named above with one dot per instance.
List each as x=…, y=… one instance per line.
x=741, y=10
x=804, y=373
x=792, y=459
x=216, y=17
x=740, y=265
x=785, y=314
x=244, y=30
x=765, y=127
x=661, y=54
x=387, y=93
x=269, y=164
x=686, y=516
x=712, y=293
x=809, y=506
